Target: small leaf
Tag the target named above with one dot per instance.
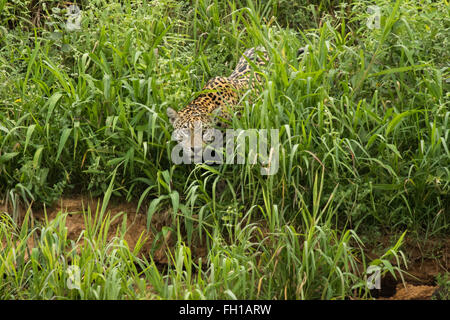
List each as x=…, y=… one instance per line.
x=397, y=119
x=62, y=141
x=51, y=104
x=152, y=208
x=7, y=156
x=175, y=201
x=37, y=157
x=29, y=133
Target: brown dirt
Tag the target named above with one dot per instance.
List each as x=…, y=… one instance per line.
x=425, y=260
x=136, y=221
x=412, y=292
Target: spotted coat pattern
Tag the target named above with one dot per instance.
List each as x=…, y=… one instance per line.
x=220, y=94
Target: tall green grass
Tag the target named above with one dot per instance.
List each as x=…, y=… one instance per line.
x=40, y=261
x=364, y=135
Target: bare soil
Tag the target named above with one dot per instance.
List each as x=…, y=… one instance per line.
x=412, y=292
x=136, y=222
x=426, y=259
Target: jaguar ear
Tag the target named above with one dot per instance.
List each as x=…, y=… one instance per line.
x=172, y=114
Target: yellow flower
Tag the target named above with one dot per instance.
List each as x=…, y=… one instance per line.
x=18, y=100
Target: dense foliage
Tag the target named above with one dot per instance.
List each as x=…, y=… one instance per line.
x=364, y=128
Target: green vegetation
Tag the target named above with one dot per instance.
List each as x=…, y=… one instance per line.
x=364, y=128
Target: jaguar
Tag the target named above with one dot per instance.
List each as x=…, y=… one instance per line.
x=217, y=100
